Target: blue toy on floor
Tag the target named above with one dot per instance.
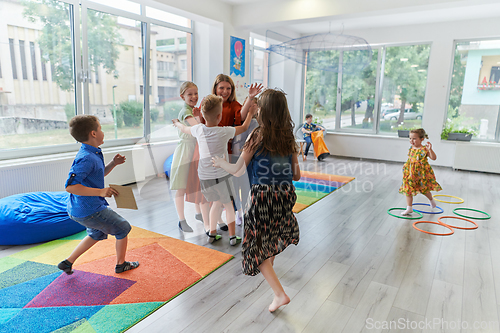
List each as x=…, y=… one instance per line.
x=167, y=166
x=35, y=217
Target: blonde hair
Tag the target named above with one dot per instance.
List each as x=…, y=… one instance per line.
x=420, y=132
x=186, y=85
x=276, y=126
x=209, y=107
x=224, y=78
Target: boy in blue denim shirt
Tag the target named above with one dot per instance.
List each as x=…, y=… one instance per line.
x=87, y=205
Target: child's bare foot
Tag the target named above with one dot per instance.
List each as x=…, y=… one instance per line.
x=279, y=301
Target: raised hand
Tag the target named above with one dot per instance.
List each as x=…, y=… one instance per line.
x=428, y=145
x=119, y=159
x=108, y=192
x=254, y=90
x=197, y=112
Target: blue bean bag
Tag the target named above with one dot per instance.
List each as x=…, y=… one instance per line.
x=167, y=166
x=35, y=217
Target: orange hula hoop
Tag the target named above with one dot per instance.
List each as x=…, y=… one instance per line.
x=434, y=233
x=460, y=218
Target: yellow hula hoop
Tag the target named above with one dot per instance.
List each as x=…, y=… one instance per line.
x=450, y=196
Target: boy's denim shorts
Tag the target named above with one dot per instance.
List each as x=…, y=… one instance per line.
x=103, y=223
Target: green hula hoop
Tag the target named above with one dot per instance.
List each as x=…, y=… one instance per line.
x=405, y=217
x=473, y=210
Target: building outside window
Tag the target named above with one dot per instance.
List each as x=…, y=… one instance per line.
x=113, y=83
x=474, y=95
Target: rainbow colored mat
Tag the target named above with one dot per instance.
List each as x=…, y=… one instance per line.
x=314, y=186
x=35, y=296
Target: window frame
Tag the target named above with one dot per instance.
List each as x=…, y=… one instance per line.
x=82, y=72
x=252, y=49
x=379, y=84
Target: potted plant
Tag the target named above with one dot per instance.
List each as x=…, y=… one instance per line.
x=404, y=132
x=461, y=134
x=452, y=132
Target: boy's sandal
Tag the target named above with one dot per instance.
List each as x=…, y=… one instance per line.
x=66, y=267
x=126, y=266
x=223, y=226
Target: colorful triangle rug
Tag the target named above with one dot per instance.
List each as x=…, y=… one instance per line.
x=35, y=296
x=314, y=186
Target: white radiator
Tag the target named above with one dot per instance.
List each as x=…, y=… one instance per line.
x=477, y=157
x=50, y=173
x=34, y=177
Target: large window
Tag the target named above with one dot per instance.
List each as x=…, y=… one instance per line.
x=259, y=70
x=320, y=98
x=114, y=42
x=358, y=93
x=353, y=102
x=404, y=82
x=171, y=52
x=51, y=77
x=35, y=112
x=259, y=61
x=474, y=101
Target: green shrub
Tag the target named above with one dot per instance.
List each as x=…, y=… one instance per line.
x=119, y=117
x=317, y=120
x=130, y=112
x=154, y=113
x=69, y=109
x=171, y=109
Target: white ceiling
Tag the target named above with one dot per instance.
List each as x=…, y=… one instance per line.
x=374, y=20
x=238, y=2
x=259, y=15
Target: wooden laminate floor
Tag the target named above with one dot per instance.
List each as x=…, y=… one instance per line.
x=356, y=269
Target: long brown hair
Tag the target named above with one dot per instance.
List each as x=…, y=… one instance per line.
x=224, y=78
x=275, y=134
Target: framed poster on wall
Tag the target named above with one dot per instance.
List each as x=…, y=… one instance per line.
x=237, y=57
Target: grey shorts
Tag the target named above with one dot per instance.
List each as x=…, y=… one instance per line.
x=106, y=222
x=220, y=189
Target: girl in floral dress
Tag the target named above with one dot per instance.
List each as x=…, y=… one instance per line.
x=418, y=176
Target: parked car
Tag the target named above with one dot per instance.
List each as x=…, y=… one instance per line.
x=387, y=111
x=408, y=115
